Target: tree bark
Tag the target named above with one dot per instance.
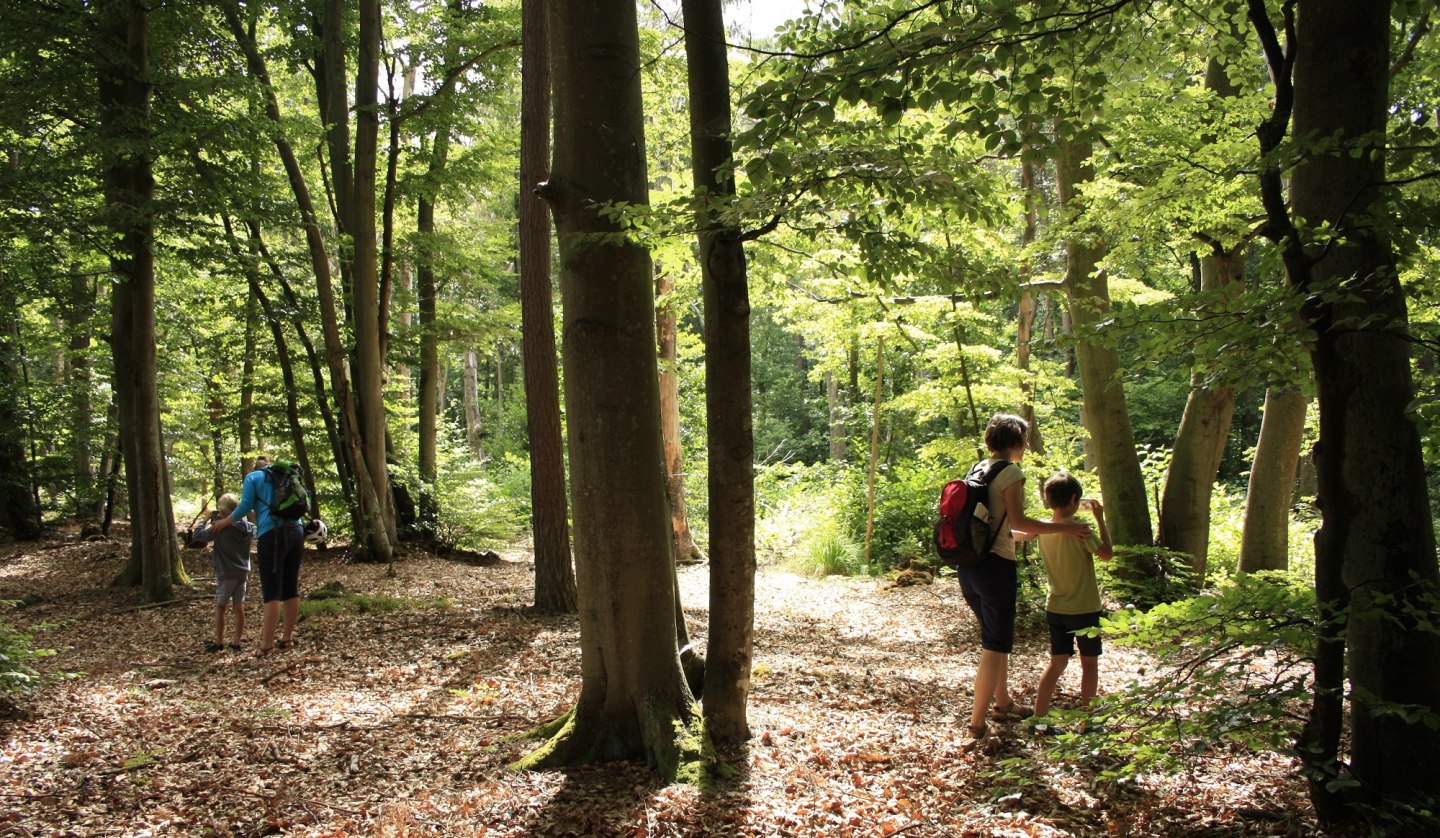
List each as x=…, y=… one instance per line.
x=554, y=574
x=1025, y=325
x=730, y=434
x=1378, y=532
x=837, y=418
x=634, y=702
x=667, y=327
x=1107, y=417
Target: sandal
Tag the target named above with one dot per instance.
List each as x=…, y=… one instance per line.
x=975, y=737
x=1012, y=712
x=262, y=651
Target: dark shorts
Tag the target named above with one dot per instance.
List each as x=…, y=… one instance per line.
x=277, y=554
x=990, y=589
x=1062, y=633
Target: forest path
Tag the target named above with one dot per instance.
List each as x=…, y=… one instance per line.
x=393, y=720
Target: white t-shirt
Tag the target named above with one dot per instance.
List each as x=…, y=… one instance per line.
x=995, y=506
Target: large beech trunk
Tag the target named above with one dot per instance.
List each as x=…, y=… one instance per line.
x=1377, y=532
x=634, y=702
x=1107, y=417
x=125, y=91
x=1199, y=444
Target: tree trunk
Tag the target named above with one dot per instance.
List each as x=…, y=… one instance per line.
x=1025, y=325
x=1378, y=532
x=837, y=418
x=554, y=575
x=125, y=91
x=89, y=496
x=667, y=326
x=1106, y=416
x=473, y=428
x=731, y=443
x=1199, y=443
x=634, y=702
x=247, y=388
x=1265, y=540
x=429, y=335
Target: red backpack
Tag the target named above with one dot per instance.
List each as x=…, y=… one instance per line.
x=961, y=539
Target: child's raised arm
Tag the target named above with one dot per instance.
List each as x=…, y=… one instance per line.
x=1106, y=549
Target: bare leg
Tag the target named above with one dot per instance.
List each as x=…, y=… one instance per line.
x=1089, y=677
x=220, y=624
x=990, y=684
x=239, y=623
x=268, y=622
x=292, y=613
x=1046, y=691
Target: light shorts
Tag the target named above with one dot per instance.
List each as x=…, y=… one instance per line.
x=231, y=588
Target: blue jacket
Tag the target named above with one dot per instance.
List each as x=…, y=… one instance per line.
x=257, y=493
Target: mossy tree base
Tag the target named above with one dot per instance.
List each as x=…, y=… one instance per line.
x=676, y=744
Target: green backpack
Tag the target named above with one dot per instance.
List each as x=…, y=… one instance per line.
x=289, y=501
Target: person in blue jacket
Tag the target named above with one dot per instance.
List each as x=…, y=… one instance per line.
x=277, y=557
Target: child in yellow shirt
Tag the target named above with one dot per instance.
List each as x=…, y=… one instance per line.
x=1074, y=601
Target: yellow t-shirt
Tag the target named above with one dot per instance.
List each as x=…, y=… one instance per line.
x=1070, y=566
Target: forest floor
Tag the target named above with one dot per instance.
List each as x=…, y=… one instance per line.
x=398, y=718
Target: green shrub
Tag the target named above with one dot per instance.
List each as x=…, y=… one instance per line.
x=1209, y=693
x=16, y=653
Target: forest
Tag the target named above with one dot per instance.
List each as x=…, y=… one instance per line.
x=624, y=348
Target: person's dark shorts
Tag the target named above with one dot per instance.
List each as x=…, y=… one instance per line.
x=277, y=553
x=990, y=588
x=1062, y=633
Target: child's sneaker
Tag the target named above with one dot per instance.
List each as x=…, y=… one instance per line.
x=212, y=646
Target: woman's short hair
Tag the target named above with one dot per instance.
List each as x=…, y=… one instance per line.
x=1004, y=432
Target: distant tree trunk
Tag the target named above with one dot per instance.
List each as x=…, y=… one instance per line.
x=471, y=396
x=301, y=452
x=89, y=496
x=667, y=327
x=1199, y=443
x=1265, y=538
x=727, y=381
x=429, y=396
x=1107, y=417
x=247, y=388
x=837, y=418
x=1025, y=325
x=634, y=702
x=554, y=575
x=123, y=31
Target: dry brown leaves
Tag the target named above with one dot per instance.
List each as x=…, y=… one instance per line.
x=400, y=723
